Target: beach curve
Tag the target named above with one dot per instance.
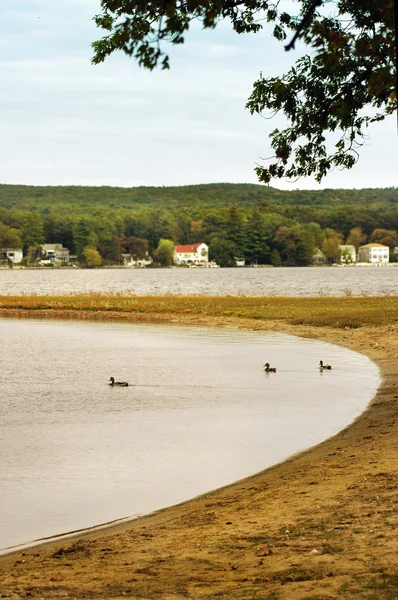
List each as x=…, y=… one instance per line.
x=312, y=522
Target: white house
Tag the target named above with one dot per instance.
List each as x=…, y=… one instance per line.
x=55, y=253
x=11, y=255
x=348, y=254
x=373, y=253
x=191, y=254
x=133, y=261
x=318, y=257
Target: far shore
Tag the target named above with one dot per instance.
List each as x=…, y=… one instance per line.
x=19, y=267
x=320, y=526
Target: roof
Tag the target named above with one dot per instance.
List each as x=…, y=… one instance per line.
x=374, y=246
x=188, y=247
x=54, y=247
x=318, y=252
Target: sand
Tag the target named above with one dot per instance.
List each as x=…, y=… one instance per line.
x=321, y=525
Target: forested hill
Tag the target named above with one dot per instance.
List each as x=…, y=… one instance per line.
x=261, y=224
x=190, y=197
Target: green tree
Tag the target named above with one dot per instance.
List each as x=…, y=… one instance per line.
x=256, y=249
x=84, y=236
x=92, y=257
x=235, y=226
x=387, y=237
x=295, y=245
x=10, y=237
x=305, y=244
x=346, y=256
x=58, y=227
x=33, y=231
x=315, y=230
x=346, y=82
x=331, y=246
x=276, y=258
x=222, y=251
x=164, y=226
x=164, y=252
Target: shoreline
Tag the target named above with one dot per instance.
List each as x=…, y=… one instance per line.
x=305, y=526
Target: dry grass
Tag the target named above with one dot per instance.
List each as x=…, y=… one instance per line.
x=338, y=312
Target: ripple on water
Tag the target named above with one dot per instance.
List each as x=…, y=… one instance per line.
x=286, y=281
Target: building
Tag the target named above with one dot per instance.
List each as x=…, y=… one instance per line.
x=374, y=253
x=133, y=261
x=318, y=257
x=10, y=256
x=348, y=254
x=54, y=253
x=240, y=262
x=191, y=254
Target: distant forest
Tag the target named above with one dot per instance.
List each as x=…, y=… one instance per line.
x=261, y=224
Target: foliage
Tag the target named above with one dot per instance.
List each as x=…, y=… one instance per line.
x=164, y=252
x=387, y=237
x=345, y=83
x=33, y=231
x=263, y=225
x=346, y=256
x=222, y=251
x=92, y=257
x=84, y=236
x=33, y=256
x=9, y=237
x=330, y=246
x=356, y=237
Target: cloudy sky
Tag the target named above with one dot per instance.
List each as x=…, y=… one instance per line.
x=64, y=121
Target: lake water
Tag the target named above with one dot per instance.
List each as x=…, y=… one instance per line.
x=200, y=413
x=287, y=281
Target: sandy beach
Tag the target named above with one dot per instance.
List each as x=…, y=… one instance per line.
x=322, y=525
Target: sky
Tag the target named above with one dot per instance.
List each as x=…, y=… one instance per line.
x=64, y=121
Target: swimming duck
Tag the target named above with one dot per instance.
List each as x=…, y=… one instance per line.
x=322, y=366
x=269, y=369
x=118, y=383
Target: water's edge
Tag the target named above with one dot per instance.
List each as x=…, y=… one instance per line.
x=116, y=524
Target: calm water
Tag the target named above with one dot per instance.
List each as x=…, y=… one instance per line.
x=333, y=281
x=201, y=413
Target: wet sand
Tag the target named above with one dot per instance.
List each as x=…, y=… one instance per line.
x=321, y=525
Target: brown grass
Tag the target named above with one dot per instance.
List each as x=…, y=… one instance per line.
x=339, y=312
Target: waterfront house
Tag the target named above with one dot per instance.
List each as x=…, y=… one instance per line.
x=240, y=262
x=54, y=253
x=133, y=261
x=191, y=254
x=374, y=253
x=10, y=256
x=318, y=257
x=348, y=254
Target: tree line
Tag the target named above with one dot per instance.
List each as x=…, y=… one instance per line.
x=272, y=228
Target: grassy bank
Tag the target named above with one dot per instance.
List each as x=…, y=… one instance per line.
x=338, y=312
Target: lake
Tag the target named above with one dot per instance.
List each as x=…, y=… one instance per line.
x=200, y=413
x=286, y=281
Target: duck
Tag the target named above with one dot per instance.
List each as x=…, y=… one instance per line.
x=269, y=369
x=322, y=366
x=112, y=383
